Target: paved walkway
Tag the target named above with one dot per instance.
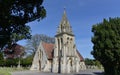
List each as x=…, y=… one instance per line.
x=86, y=72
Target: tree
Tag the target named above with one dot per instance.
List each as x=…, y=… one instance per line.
x=89, y=61
x=10, y=62
x=92, y=62
x=1, y=58
x=14, y=16
x=15, y=51
x=33, y=43
x=27, y=61
x=106, y=47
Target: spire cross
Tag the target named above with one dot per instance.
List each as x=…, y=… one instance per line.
x=64, y=8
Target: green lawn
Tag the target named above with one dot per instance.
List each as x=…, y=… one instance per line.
x=4, y=72
x=7, y=70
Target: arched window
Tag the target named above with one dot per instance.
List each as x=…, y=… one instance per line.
x=71, y=63
x=71, y=39
x=58, y=44
x=67, y=38
x=42, y=55
x=61, y=42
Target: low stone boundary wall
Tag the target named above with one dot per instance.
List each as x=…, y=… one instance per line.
x=93, y=67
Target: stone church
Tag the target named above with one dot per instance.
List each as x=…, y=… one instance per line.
x=61, y=57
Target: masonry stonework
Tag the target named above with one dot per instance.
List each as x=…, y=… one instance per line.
x=61, y=57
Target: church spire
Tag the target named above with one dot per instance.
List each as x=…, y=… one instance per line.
x=64, y=26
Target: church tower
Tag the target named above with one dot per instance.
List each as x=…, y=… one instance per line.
x=65, y=49
x=61, y=57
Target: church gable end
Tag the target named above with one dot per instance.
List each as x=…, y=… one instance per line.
x=48, y=47
x=63, y=56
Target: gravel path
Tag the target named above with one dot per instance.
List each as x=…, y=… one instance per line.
x=86, y=72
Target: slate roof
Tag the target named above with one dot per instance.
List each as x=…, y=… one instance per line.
x=48, y=47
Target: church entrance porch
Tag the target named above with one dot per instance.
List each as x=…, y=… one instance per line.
x=70, y=65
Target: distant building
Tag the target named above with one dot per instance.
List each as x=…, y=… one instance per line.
x=61, y=57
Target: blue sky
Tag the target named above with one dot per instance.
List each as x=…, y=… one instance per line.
x=82, y=14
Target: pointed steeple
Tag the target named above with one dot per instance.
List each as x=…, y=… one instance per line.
x=64, y=26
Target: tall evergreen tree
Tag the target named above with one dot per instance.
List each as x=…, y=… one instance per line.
x=106, y=47
x=14, y=16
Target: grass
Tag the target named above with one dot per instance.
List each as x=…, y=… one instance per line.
x=4, y=72
x=8, y=70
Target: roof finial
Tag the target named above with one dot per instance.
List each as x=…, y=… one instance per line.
x=64, y=9
x=64, y=26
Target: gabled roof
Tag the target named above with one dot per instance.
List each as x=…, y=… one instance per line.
x=48, y=47
x=81, y=58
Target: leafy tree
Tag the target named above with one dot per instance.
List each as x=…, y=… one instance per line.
x=14, y=16
x=27, y=61
x=106, y=47
x=89, y=61
x=33, y=43
x=11, y=62
x=1, y=58
x=15, y=51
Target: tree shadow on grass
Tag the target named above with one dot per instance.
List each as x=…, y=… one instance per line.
x=98, y=73
x=82, y=74
x=94, y=73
